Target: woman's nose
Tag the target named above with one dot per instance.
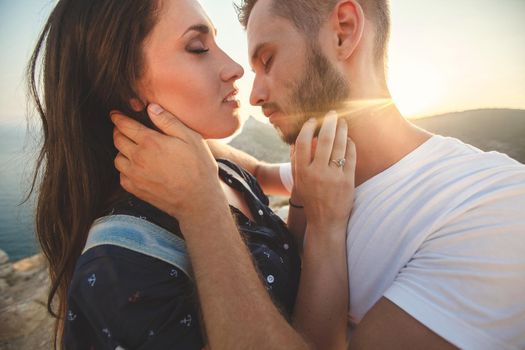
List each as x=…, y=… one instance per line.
x=232, y=71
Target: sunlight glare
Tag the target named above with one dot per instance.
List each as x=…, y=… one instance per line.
x=417, y=89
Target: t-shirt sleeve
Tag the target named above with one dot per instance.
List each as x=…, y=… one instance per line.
x=467, y=286
x=121, y=298
x=285, y=171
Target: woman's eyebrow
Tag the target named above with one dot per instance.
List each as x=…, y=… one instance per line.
x=201, y=28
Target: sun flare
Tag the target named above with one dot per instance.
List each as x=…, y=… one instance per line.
x=416, y=89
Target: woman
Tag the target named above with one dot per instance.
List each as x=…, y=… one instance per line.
x=105, y=55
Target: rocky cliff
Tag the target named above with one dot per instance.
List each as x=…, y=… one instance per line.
x=24, y=321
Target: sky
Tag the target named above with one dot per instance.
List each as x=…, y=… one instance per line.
x=444, y=56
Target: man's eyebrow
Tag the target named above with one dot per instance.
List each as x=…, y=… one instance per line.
x=256, y=52
x=201, y=28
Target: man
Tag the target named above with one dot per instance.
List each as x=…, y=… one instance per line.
x=436, y=240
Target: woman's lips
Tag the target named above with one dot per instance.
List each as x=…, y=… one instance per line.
x=232, y=100
x=233, y=103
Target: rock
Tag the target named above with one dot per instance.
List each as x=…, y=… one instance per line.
x=3, y=285
x=6, y=270
x=27, y=269
x=20, y=319
x=283, y=213
x=24, y=320
x=3, y=257
x=34, y=262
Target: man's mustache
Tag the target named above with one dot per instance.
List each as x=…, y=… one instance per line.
x=272, y=106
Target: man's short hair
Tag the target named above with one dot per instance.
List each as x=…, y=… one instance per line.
x=308, y=16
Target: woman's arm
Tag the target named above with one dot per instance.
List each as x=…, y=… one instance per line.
x=327, y=193
x=296, y=219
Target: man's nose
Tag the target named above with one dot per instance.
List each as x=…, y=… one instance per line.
x=259, y=93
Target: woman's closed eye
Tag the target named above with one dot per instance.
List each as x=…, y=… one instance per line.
x=197, y=48
x=199, y=51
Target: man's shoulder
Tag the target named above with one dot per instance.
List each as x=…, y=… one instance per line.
x=454, y=165
x=449, y=149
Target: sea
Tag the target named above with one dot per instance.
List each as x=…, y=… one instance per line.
x=17, y=159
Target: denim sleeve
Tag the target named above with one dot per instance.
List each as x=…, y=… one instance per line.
x=121, y=298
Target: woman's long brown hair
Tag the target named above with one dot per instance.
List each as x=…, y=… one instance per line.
x=85, y=64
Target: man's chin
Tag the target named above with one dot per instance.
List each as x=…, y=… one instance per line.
x=290, y=131
x=288, y=136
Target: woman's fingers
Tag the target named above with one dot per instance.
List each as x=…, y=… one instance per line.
x=325, y=140
x=303, y=144
x=339, y=147
x=351, y=158
x=292, y=160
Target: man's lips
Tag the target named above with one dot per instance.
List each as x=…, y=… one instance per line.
x=269, y=112
x=274, y=117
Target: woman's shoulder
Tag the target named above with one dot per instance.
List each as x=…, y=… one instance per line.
x=131, y=298
x=114, y=264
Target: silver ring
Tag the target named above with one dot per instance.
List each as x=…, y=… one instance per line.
x=339, y=162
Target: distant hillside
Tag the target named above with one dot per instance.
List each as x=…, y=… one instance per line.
x=261, y=141
x=502, y=130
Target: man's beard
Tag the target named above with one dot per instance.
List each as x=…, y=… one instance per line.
x=321, y=89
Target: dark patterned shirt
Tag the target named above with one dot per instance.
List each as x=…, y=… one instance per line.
x=121, y=299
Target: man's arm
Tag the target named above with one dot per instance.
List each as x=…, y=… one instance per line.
x=238, y=312
x=387, y=326
x=266, y=174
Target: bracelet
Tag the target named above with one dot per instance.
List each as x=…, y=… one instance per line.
x=294, y=205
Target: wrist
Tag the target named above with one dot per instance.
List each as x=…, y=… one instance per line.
x=193, y=220
x=209, y=201
x=295, y=198
x=294, y=205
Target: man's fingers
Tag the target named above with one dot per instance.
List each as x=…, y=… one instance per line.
x=122, y=164
x=325, y=141
x=167, y=122
x=341, y=136
x=123, y=144
x=127, y=184
x=303, y=144
x=131, y=128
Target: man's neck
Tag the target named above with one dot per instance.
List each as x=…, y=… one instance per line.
x=382, y=136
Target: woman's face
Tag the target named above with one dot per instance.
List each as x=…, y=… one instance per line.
x=187, y=73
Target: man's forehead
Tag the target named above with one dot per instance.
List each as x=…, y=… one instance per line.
x=265, y=27
x=257, y=28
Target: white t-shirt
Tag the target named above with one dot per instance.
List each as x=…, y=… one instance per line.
x=442, y=235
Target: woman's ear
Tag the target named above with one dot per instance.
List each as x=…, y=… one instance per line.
x=348, y=22
x=137, y=105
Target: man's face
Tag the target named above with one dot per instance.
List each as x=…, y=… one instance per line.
x=294, y=81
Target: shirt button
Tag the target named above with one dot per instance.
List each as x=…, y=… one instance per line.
x=230, y=181
x=261, y=213
x=270, y=279
x=286, y=246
